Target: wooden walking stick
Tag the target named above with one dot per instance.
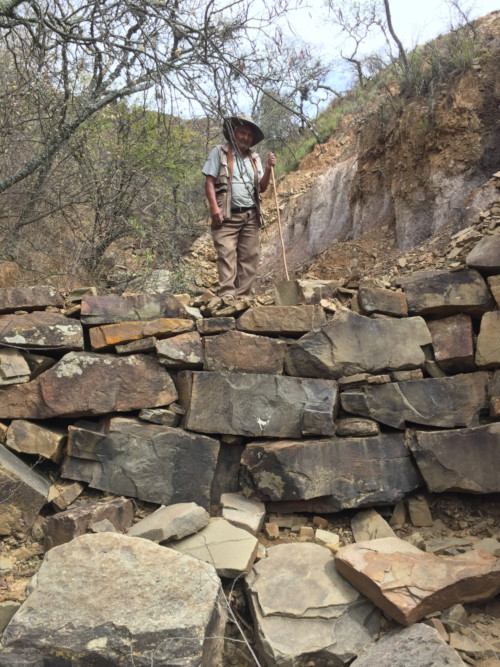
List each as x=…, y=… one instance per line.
x=279, y=223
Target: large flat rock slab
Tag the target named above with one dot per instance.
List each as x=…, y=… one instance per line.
x=41, y=330
x=304, y=612
x=158, y=464
x=418, y=646
x=122, y=333
x=346, y=472
x=447, y=293
x=244, y=353
x=111, y=309
x=378, y=345
x=103, y=599
x=461, y=460
x=485, y=256
x=446, y=402
x=254, y=404
x=86, y=383
x=281, y=320
x=29, y=298
x=407, y=583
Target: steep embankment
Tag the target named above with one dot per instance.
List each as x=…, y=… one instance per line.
x=398, y=172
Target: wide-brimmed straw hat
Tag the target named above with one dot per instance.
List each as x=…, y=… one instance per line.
x=241, y=119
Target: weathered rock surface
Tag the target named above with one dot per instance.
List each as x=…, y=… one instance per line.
x=418, y=646
x=23, y=493
x=453, y=343
x=243, y=512
x=171, y=523
x=86, y=383
x=464, y=460
x=29, y=438
x=352, y=472
x=103, y=598
x=115, y=334
x=244, y=353
x=111, y=309
x=300, y=619
x=41, y=330
x=488, y=341
x=298, y=292
x=445, y=293
x=283, y=320
x=14, y=369
x=379, y=345
x=485, y=256
x=448, y=402
x=65, y=526
x=29, y=298
x=182, y=351
x=155, y=463
x=375, y=300
x=369, y=525
x=229, y=549
x=256, y=405
x=407, y=583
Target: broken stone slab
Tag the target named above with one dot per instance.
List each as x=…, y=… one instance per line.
x=80, y=606
x=227, y=470
x=237, y=351
x=144, y=345
x=64, y=494
x=215, y=325
x=157, y=464
x=485, y=256
x=28, y=438
x=488, y=341
x=243, y=512
x=86, y=383
x=29, y=298
x=379, y=345
x=494, y=285
x=419, y=511
x=463, y=460
x=14, y=369
x=446, y=293
x=418, y=646
x=229, y=549
x=446, y=402
x=356, y=427
x=23, y=493
x=342, y=472
x=299, y=618
x=181, y=352
x=7, y=610
x=64, y=526
x=299, y=292
x=109, y=335
x=384, y=301
x=111, y=309
x=281, y=320
x=453, y=343
x=162, y=416
x=408, y=584
x=41, y=330
x=171, y=523
x=369, y=525
x=260, y=405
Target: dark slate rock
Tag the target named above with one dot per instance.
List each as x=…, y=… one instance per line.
x=155, y=463
x=344, y=472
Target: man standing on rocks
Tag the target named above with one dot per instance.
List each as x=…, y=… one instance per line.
x=234, y=180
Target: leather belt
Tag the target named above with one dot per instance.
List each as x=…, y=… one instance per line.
x=242, y=209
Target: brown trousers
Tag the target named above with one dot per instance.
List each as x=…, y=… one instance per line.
x=237, y=242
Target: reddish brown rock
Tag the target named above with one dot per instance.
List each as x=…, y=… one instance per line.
x=85, y=383
x=29, y=298
x=243, y=352
x=215, y=325
x=375, y=300
x=407, y=583
x=126, y=332
x=453, y=343
x=29, y=438
x=41, y=330
x=181, y=352
x=14, y=369
x=283, y=320
x=65, y=526
x=488, y=341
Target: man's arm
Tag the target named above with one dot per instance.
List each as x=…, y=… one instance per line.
x=215, y=211
x=270, y=162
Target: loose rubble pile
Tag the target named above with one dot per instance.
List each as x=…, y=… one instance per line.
x=159, y=445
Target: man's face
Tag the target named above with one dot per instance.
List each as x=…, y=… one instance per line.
x=243, y=136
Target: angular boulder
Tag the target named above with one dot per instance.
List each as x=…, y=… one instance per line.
x=376, y=300
x=407, y=583
x=14, y=369
x=104, y=599
x=453, y=343
x=485, y=256
x=281, y=320
x=379, y=345
x=122, y=333
x=155, y=463
x=488, y=341
x=304, y=612
x=182, y=351
x=29, y=298
x=29, y=438
x=346, y=472
x=259, y=405
x=171, y=523
x=241, y=352
x=447, y=293
x=86, y=383
x=111, y=309
x=462, y=460
x=447, y=402
x=41, y=330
